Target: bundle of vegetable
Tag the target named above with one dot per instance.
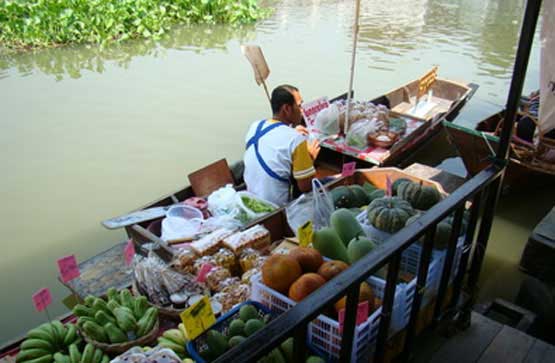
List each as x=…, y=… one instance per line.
x=57, y=343
x=119, y=319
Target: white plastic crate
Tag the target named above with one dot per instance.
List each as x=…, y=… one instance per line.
x=323, y=332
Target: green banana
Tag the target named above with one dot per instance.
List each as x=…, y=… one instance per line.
x=125, y=319
x=146, y=323
x=60, y=331
x=44, y=359
x=167, y=343
x=175, y=336
x=82, y=320
x=82, y=310
x=44, y=332
x=112, y=305
x=105, y=359
x=140, y=306
x=89, y=300
x=112, y=294
x=101, y=305
x=34, y=343
x=71, y=335
x=74, y=354
x=126, y=298
x=115, y=334
x=95, y=331
x=88, y=353
x=28, y=354
x=102, y=318
x=97, y=356
x=61, y=358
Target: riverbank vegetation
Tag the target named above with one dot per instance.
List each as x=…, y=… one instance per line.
x=26, y=24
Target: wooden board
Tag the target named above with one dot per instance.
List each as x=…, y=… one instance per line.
x=214, y=176
x=510, y=345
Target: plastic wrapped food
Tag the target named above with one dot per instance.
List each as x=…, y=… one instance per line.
x=184, y=260
x=256, y=237
x=227, y=283
x=248, y=259
x=225, y=258
x=357, y=136
x=210, y=243
x=327, y=120
x=215, y=276
x=203, y=260
x=246, y=277
x=235, y=294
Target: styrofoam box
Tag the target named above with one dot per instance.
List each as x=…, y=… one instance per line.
x=323, y=332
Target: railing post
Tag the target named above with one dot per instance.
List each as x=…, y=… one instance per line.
x=349, y=323
x=299, y=346
x=387, y=307
x=421, y=280
x=448, y=263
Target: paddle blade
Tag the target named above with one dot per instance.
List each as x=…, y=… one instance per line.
x=256, y=58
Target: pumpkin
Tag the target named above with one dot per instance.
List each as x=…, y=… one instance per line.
x=419, y=196
x=389, y=214
x=442, y=235
x=397, y=183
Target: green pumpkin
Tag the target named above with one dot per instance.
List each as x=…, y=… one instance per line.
x=389, y=214
x=378, y=193
x=360, y=197
x=342, y=197
x=419, y=196
x=397, y=183
x=442, y=235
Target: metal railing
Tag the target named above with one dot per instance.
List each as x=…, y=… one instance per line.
x=483, y=188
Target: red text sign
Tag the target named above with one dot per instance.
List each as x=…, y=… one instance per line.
x=311, y=109
x=68, y=268
x=362, y=315
x=348, y=169
x=129, y=252
x=42, y=299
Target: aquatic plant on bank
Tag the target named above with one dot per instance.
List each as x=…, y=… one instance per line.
x=43, y=23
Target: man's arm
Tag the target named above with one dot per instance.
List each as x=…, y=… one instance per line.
x=303, y=167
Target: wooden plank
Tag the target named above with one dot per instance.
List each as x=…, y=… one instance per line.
x=541, y=352
x=510, y=345
x=469, y=345
x=214, y=176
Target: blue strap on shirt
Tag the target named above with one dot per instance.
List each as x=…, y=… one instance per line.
x=254, y=141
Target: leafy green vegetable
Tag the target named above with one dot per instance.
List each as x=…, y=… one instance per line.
x=28, y=24
x=256, y=205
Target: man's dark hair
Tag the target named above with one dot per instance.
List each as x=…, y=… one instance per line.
x=282, y=95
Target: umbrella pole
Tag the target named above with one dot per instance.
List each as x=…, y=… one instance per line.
x=355, y=38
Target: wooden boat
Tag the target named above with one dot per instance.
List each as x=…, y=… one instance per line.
x=477, y=146
x=423, y=103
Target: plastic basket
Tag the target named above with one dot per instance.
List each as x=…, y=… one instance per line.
x=198, y=345
x=323, y=332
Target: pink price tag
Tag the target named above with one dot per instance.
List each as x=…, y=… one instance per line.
x=129, y=252
x=204, y=270
x=42, y=299
x=388, y=188
x=348, y=168
x=362, y=315
x=68, y=268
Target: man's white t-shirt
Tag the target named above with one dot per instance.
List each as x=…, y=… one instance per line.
x=283, y=151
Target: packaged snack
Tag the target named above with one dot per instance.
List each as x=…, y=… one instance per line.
x=225, y=258
x=257, y=237
x=184, y=260
x=248, y=259
x=216, y=276
x=210, y=243
x=202, y=261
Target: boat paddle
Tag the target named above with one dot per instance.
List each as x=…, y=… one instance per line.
x=256, y=58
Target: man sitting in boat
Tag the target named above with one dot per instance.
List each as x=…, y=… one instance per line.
x=278, y=154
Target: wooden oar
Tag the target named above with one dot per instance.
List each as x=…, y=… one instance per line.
x=259, y=65
x=135, y=217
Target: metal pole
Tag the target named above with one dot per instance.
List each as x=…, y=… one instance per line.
x=355, y=38
x=519, y=74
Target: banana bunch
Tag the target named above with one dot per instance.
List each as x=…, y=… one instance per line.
x=118, y=319
x=54, y=343
x=175, y=339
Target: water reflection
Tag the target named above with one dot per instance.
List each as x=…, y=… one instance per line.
x=70, y=62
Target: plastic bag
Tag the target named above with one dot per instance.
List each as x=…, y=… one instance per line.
x=322, y=206
x=246, y=213
x=300, y=211
x=357, y=136
x=327, y=120
x=223, y=201
x=176, y=228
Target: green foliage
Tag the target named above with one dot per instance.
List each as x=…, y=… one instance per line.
x=42, y=23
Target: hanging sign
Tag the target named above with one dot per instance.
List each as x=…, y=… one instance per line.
x=348, y=168
x=198, y=318
x=42, y=298
x=311, y=109
x=68, y=268
x=305, y=233
x=129, y=252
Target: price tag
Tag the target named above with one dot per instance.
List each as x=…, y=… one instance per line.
x=68, y=268
x=305, y=234
x=42, y=299
x=348, y=168
x=204, y=270
x=362, y=315
x=388, y=188
x=129, y=252
x=198, y=318
x=311, y=109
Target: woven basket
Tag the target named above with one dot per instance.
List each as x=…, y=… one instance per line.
x=123, y=347
x=164, y=311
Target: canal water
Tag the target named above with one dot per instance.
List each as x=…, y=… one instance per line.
x=90, y=133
